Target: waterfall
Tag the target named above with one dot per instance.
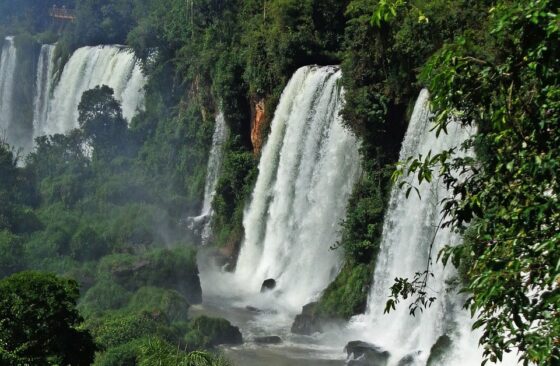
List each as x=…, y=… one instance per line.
x=43, y=86
x=56, y=111
x=219, y=138
x=410, y=225
x=8, y=62
x=88, y=67
x=306, y=174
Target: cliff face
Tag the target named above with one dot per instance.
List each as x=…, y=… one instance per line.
x=258, y=125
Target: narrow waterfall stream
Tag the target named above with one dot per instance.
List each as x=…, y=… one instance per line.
x=201, y=224
x=43, y=86
x=410, y=226
x=8, y=62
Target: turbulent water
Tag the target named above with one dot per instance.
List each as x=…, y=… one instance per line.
x=203, y=221
x=43, y=86
x=8, y=62
x=411, y=224
x=306, y=174
x=88, y=67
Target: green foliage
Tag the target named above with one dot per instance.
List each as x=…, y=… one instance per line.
x=102, y=21
x=347, y=295
x=102, y=123
x=121, y=355
x=505, y=81
x=171, y=302
x=116, y=329
x=174, y=269
x=159, y=352
x=31, y=298
x=87, y=244
x=11, y=248
x=15, y=195
x=104, y=295
x=233, y=189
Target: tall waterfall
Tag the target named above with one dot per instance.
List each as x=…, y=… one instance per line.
x=410, y=226
x=203, y=221
x=88, y=67
x=43, y=86
x=8, y=62
x=306, y=174
x=56, y=111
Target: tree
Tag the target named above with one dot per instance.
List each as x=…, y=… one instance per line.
x=102, y=122
x=504, y=80
x=39, y=323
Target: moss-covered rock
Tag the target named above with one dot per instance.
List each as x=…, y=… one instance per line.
x=439, y=350
x=309, y=321
x=208, y=332
x=347, y=294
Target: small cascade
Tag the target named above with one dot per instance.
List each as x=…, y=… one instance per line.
x=8, y=63
x=307, y=171
x=202, y=222
x=410, y=226
x=88, y=67
x=43, y=86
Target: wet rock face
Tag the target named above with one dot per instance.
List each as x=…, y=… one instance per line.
x=410, y=359
x=439, y=350
x=268, y=285
x=268, y=340
x=308, y=322
x=361, y=353
x=253, y=309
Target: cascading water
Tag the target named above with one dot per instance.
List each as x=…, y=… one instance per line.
x=8, y=62
x=88, y=67
x=410, y=226
x=306, y=174
x=43, y=86
x=219, y=138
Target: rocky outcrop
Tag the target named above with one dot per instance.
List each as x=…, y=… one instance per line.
x=410, y=359
x=308, y=322
x=211, y=332
x=226, y=256
x=268, y=340
x=258, y=125
x=268, y=284
x=365, y=354
x=439, y=350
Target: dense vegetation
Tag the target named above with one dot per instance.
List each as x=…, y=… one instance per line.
x=504, y=80
x=105, y=203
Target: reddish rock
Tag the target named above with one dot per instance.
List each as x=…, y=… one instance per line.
x=258, y=126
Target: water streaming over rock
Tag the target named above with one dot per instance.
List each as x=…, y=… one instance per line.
x=88, y=67
x=306, y=174
x=55, y=107
x=8, y=63
x=410, y=226
x=43, y=89
x=202, y=222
